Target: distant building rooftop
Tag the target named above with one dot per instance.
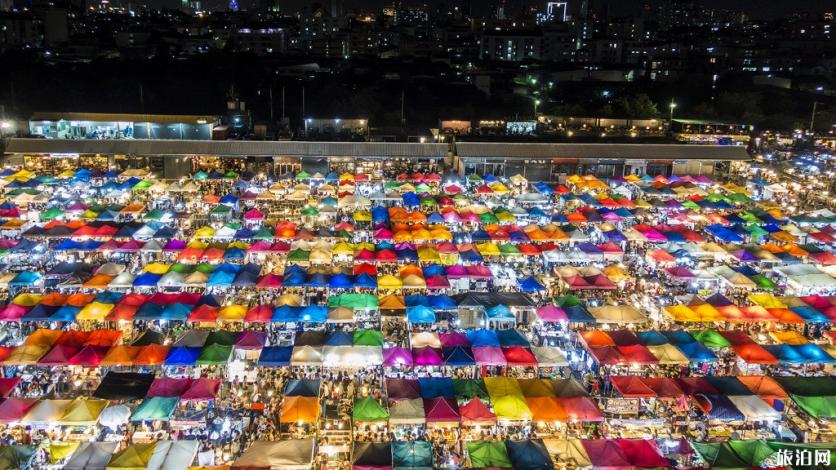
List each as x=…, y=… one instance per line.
x=119, y=117
x=601, y=151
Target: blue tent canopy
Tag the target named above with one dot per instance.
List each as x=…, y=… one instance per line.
x=340, y=281
x=285, y=314
x=149, y=311
x=339, y=338
x=511, y=337
x=677, y=337
x=435, y=218
x=380, y=214
x=720, y=407
x=458, y=356
x=483, y=337
x=531, y=284
x=441, y=302
x=420, y=314
x=810, y=314
x=365, y=281
x=245, y=278
x=294, y=279
x=542, y=187
x=471, y=256
x=108, y=297
x=578, y=314
x=499, y=312
x=182, y=356
x=302, y=388
x=147, y=280
x=411, y=199
x=220, y=278
x=652, y=338
x=275, y=356
x=433, y=270
x=39, y=312
x=65, y=313
x=786, y=353
x=529, y=455
x=416, y=300
x=314, y=314
x=480, y=236
x=176, y=311
x=813, y=353
x=318, y=280
x=696, y=352
x=435, y=387
x=407, y=254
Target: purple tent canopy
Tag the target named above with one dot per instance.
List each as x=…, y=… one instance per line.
x=427, y=356
x=489, y=356
x=404, y=246
x=673, y=204
x=452, y=216
x=551, y=313
x=745, y=256
x=175, y=245
x=251, y=340
x=654, y=236
x=450, y=340
x=403, y=389
x=456, y=272
x=397, y=357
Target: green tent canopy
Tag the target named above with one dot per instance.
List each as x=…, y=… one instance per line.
x=485, y=454
x=230, y=175
x=143, y=185
x=719, y=455
x=221, y=209
x=309, y=211
x=368, y=338
x=415, y=455
x=222, y=337
x=155, y=409
x=740, y=198
x=155, y=214
x=299, y=255
x=468, y=388
x=52, y=213
x=818, y=407
x=753, y=452
x=353, y=301
x=474, y=177
x=205, y=268
x=263, y=233
x=214, y=354
x=13, y=457
x=711, y=339
x=369, y=410
x=567, y=301
x=763, y=282
x=488, y=218
x=303, y=175
x=181, y=268
x=509, y=249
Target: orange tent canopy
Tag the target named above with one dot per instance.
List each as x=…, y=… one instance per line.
x=121, y=355
x=546, y=409
x=299, y=410
x=151, y=355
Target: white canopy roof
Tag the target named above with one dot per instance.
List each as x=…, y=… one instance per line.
x=291, y=454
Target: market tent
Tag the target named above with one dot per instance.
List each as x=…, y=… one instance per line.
x=299, y=409
x=46, y=411
x=642, y=453
x=15, y=457
x=568, y=452
x=407, y=411
x=83, y=412
x=414, y=455
x=605, y=453
x=529, y=455
x=488, y=454
x=371, y=455
x=14, y=409
x=475, y=412
x=155, y=409
x=719, y=455
x=91, y=456
x=817, y=406
x=369, y=410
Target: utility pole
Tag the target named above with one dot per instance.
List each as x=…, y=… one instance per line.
x=282, y=103
x=141, y=98
x=304, y=115
x=813, y=116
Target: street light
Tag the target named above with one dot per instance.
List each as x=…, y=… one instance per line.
x=536, y=103
x=670, y=119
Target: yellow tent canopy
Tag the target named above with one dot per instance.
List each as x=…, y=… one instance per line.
x=232, y=312
x=83, y=412
x=94, y=311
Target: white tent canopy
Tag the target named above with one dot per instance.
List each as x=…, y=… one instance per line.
x=278, y=455
x=91, y=456
x=549, y=356
x=173, y=455
x=753, y=408
x=407, y=411
x=352, y=356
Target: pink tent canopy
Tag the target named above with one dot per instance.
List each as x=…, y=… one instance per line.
x=397, y=357
x=441, y=410
x=168, y=387
x=604, y=453
x=383, y=234
x=59, y=355
x=479, y=271
x=489, y=356
x=260, y=246
x=89, y=356
x=452, y=217
x=437, y=282
x=7, y=385
x=453, y=339
x=251, y=340
x=253, y=214
x=551, y=314
x=202, y=389
x=13, y=312
x=456, y=272
x=427, y=356
x=13, y=409
x=269, y=281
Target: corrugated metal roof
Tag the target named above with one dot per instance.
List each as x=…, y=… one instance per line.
x=230, y=148
x=615, y=151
